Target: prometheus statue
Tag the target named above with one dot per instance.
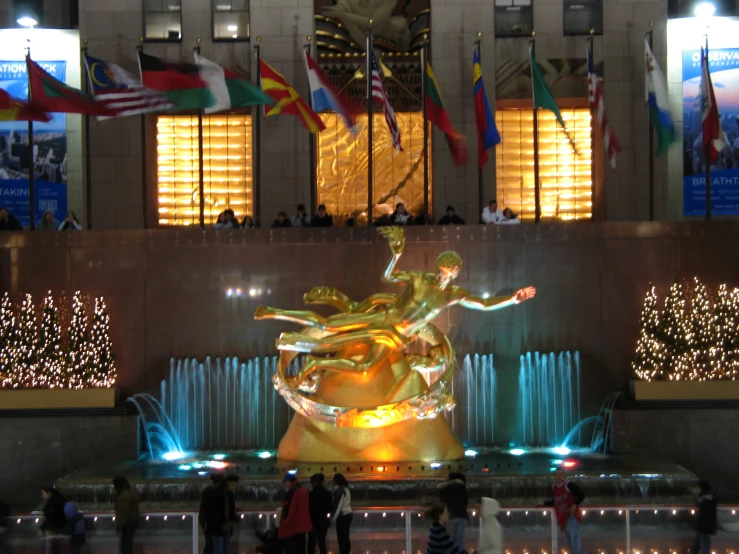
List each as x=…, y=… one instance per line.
x=361, y=393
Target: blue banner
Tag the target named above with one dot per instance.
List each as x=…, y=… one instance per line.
x=47, y=197
x=723, y=63
x=49, y=150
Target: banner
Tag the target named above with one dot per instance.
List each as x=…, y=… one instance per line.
x=49, y=151
x=723, y=63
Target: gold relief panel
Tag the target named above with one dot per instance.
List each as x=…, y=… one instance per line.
x=342, y=166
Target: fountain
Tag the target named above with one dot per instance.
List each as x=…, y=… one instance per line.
x=162, y=440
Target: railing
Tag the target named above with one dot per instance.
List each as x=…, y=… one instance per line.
x=646, y=529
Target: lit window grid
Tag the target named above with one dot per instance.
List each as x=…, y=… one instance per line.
x=566, y=177
x=227, y=165
x=230, y=19
x=342, y=164
x=162, y=17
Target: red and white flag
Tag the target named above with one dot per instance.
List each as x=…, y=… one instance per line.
x=713, y=132
x=379, y=94
x=598, y=104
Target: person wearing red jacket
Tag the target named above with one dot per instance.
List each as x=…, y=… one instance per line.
x=295, y=518
x=566, y=500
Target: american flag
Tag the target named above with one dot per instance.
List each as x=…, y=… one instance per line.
x=379, y=94
x=597, y=102
x=120, y=91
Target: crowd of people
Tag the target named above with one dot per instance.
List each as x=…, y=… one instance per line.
x=305, y=517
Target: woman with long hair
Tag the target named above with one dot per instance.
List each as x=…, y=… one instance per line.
x=342, y=515
x=126, y=513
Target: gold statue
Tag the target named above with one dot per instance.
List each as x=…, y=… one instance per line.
x=360, y=394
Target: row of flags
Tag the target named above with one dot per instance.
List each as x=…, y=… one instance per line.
x=171, y=86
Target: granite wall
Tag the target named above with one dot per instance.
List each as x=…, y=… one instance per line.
x=38, y=449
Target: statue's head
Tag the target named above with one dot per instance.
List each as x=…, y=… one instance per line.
x=448, y=264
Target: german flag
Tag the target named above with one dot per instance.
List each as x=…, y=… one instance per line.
x=15, y=110
x=287, y=99
x=179, y=82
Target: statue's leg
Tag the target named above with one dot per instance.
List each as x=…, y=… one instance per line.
x=302, y=317
x=302, y=343
x=374, y=356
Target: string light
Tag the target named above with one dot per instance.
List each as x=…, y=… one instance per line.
x=695, y=338
x=33, y=353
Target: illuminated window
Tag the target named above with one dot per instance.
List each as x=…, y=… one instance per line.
x=227, y=165
x=163, y=19
x=513, y=18
x=342, y=166
x=230, y=19
x=565, y=176
x=580, y=16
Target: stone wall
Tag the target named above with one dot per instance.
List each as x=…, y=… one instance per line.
x=118, y=196
x=38, y=449
x=701, y=437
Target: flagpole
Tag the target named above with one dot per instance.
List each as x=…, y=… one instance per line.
x=424, y=55
x=88, y=164
x=369, y=124
x=257, y=156
x=201, y=170
x=311, y=145
x=650, y=38
x=708, y=156
x=480, y=191
x=537, y=193
x=31, y=177
x=144, y=172
x=593, y=197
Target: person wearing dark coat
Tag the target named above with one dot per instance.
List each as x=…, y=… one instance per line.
x=75, y=528
x=54, y=521
x=321, y=503
x=218, y=514
x=295, y=516
x=322, y=218
x=126, y=513
x=281, y=221
x=8, y=222
x=451, y=217
x=453, y=493
x=707, y=520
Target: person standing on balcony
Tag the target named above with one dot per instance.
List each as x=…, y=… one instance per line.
x=321, y=504
x=300, y=219
x=126, y=513
x=566, y=500
x=707, y=520
x=295, y=518
x=492, y=215
x=342, y=513
x=322, y=218
x=453, y=493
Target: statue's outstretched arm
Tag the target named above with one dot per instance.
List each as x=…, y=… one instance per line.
x=496, y=302
x=379, y=299
x=396, y=240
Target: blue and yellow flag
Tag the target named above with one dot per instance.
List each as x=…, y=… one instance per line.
x=487, y=132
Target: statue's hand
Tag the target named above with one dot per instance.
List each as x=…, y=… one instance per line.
x=524, y=294
x=395, y=238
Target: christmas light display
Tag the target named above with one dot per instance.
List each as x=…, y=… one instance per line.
x=695, y=338
x=34, y=356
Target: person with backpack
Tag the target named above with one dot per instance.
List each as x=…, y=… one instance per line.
x=74, y=529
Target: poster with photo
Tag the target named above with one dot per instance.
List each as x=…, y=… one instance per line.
x=723, y=63
x=49, y=150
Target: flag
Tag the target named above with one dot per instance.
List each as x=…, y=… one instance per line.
x=487, y=132
x=543, y=96
x=179, y=82
x=228, y=89
x=713, y=132
x=379, y=94
x=598, y=105
x=437, y=114
x=288, y=100
x=45, y=93
x=658, y=102
x=16, y=110
x=121, y=92
x=324, y=96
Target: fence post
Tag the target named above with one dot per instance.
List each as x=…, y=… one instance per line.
x=553, y=526
x=628, y=531
x=195, y=533
x=408, y=544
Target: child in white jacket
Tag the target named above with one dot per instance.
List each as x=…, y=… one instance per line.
x=491, y=532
